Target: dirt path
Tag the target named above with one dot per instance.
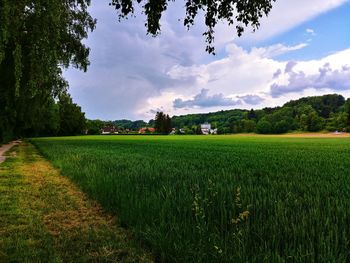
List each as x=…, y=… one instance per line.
x=5, y=148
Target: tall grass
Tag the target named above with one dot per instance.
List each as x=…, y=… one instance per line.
x=219, y=199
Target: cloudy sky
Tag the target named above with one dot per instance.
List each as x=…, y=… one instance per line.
x=301, y=49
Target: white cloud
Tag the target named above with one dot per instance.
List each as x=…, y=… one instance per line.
x=325, y=79
x=310, y=31
x=251, y=99
x=277, y=50
x=254, y=80
x=204, y=100
x=288, y=14
x=132, y=74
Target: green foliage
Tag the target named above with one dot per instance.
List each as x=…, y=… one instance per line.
x=235, y=12
x=72, y=119
x=337, y=122
x=281, y=127
x=180, y=193
x=347, y=110
x=94, y=126
x=251, y=115
x=131, y=125
x=264, y=127
x=314, y=122
x=248, y=125
x=162, y=123
x=307, y=114
x=37, y=40
x=323, y=105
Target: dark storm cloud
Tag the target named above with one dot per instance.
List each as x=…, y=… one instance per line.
x=251, y=99
x=203, y=100
x=277, y=74
x=127, y=66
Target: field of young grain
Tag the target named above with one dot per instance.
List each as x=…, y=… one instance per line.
x=219, y=198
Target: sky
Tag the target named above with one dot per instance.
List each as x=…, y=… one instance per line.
x=301, y=49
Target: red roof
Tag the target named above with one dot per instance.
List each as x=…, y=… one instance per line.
x=143, y=130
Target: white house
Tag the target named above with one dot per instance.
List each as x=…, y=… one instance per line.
x=206, y=129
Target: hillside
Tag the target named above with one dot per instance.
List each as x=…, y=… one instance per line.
x=329, y=112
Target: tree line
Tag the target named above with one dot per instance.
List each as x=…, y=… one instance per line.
x=38, y=39
x=312, y=114
x=161, y=123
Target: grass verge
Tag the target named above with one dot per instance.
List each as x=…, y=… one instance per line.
x=45, y=218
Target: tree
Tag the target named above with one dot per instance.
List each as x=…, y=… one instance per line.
x=248, y=125
x=167, y=124
x=158, y=122
x=37, y=40
x=239, y=13
x=72, y=120
x=198, y=130
x=251, y=115
x=303, y=122
x=50, y=125
x=347, y=110
x=337, y=122
x=162, y=123
x=281, y=127
x=264, y=127
x=315, y=122
x=94, y=126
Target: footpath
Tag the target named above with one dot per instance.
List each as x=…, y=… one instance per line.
x=6, y=147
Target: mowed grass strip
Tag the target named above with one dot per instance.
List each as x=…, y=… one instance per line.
x=45, y=218
x=219, y=198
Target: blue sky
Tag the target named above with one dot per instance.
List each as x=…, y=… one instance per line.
x=331, y=34
x=301, y=49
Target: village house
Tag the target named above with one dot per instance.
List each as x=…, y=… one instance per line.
x=144, y=130
x=206, y=129
x=173, y=131
x=109, y=130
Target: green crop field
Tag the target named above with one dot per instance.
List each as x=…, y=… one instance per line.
x=219, y=198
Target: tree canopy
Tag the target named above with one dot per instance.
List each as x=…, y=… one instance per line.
x=38, y=38
x=239, y=13
x=162, y=123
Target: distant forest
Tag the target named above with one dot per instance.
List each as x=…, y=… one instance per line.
x=310, y=114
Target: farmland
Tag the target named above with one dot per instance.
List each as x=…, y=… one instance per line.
x=218, y=198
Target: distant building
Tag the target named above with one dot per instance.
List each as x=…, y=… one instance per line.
x=109, y=130
x=173, y=132
x=144, y=130
x=206, y=129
